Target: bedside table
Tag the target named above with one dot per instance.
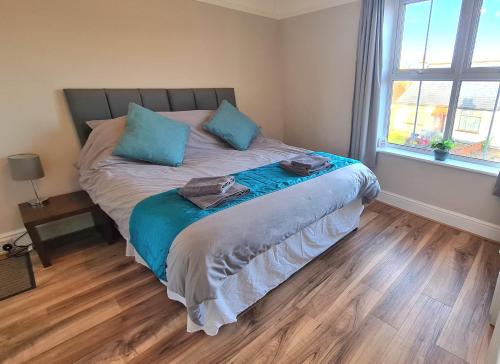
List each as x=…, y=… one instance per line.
x=60, y=207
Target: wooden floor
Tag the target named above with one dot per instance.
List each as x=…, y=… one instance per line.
x=402, y=289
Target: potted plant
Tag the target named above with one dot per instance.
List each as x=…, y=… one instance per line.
x=442, y=148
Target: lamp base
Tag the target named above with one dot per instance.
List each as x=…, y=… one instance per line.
x=39, y=202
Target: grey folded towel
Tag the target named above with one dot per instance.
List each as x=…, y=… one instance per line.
x=309, y=161
x=207, y=186
x=211, y=201
x=287, y=165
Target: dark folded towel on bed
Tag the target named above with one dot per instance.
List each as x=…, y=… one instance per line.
x=207, y=186
x=287, y=165
x=210, y=201
x=309, y=161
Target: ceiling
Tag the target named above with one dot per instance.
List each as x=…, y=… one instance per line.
x=277, y=9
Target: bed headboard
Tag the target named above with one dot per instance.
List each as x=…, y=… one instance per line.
x=101, y=104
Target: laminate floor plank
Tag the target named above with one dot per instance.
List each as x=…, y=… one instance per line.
x=416, y=339
x=344, y=267
x=57, y=330
x=345, y=297
x=384, y=209
x=277, y=307
x=403, y=293
x=109, y=331
x=447, y=281
x=67, y=259
x=367, y=344
x=400, y=255
x=44, y=296
x=35, y=324
x=440, y=356
x=402, y=289
x=468, y=324
x=339, y=323
x=279, y=343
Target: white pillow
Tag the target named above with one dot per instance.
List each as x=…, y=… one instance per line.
x=106, y=135
x=191, y=117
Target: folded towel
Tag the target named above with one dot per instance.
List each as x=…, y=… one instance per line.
x=211, y=201
x=287, y=165
x=308, y=161
x=207, y=186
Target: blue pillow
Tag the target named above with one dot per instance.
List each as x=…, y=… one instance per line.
x=152, y=138
x=234, y=127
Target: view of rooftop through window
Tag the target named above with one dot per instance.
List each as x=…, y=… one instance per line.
x=420, y=109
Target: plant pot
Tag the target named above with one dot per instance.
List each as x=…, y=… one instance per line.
x=440, y=155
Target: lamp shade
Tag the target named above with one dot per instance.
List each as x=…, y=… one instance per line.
x=25, y=167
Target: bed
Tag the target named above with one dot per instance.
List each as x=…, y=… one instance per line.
x=222, y=264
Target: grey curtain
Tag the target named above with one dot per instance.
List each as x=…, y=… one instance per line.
x=496, y=191
x=366, y=100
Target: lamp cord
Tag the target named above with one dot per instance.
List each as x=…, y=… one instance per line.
x=19, y=238
x=15, y=250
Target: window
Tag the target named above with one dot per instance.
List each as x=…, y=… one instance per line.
x=487, y=43
x=445, y=77
x=469, y=122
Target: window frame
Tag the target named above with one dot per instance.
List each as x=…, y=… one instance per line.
x=465, y=130
x=461, y=69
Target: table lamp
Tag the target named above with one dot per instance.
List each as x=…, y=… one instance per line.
x=27, y=167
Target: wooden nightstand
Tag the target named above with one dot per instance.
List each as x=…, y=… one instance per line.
x=60, y=207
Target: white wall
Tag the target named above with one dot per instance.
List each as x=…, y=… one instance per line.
x=54, y=44
x=452, y=189
x=319, y=52
x=319, y=62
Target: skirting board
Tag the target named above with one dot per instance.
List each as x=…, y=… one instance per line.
x=11, y=234
x=447, y=217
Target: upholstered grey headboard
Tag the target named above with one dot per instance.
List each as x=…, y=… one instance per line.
x=101, y=104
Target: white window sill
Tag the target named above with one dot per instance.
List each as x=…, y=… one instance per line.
x=451, y=163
